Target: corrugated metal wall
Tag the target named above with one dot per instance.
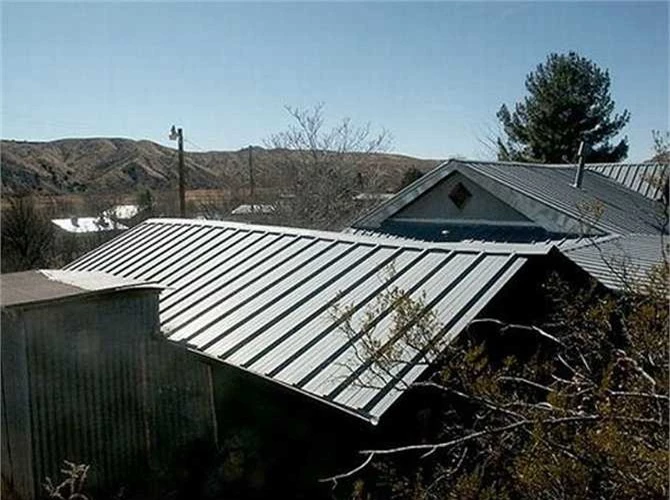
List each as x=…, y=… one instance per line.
x=15, y=433
x=99, y=390
x=179, y=403
x=85, y=386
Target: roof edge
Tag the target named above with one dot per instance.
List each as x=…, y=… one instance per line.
x=370, y=420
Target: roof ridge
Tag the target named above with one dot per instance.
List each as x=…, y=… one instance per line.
x=587, y=241
x=618, y=165
x=485, y=247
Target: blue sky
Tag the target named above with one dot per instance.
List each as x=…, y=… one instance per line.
x=432, y=74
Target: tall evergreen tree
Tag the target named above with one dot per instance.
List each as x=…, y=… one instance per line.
x=569, y=101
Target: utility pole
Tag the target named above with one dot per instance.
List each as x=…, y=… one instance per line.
x=251, y=175
x=178, y=135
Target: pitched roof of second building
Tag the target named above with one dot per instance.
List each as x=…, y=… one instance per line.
x=648, y=179
x=600, y=202
x=619, y=262
x=262, y=298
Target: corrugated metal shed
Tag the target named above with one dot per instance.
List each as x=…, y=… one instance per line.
x=261, y=298
x=648, y=179
x=546, y=190
x=84, y=379
x=619, y=262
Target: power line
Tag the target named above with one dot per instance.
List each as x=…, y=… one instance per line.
x=195, y=145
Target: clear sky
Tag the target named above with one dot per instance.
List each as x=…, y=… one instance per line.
x=432, y=74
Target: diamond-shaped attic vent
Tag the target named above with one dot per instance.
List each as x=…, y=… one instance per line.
x=460, y=195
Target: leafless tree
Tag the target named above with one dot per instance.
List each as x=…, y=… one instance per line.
x=322, y=167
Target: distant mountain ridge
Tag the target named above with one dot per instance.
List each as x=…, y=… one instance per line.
x=124, y=165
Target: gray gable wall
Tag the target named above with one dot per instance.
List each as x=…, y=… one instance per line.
x=482, y=205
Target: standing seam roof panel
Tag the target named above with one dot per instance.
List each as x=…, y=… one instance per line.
x=262, y=298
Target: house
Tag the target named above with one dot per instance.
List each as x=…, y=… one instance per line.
x=261, y=298
x=263, y=307
x=86, y=379
x=519, y=202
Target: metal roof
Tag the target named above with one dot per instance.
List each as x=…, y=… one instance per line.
x=618, y=262
x=261, y=298
x=604, y=204
x=648, y=179
x=39, y=286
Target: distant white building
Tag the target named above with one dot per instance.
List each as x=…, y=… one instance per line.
x=122, y=212
x=79, y=225
x=253, y=209
x=373, y=196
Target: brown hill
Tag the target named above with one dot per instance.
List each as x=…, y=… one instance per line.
x=104, y=165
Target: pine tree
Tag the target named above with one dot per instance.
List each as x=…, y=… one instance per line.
x=569, y=101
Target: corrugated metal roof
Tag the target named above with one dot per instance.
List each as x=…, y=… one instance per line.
x=550, y=186
x=619, y=262
x=647, y=179
x=261, y=297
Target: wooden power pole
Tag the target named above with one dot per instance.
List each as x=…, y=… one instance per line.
x=178, y=135
x=251, y=174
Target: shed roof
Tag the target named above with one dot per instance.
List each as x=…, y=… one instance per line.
x=261, y=298
x=29, y=287
x=600, y=202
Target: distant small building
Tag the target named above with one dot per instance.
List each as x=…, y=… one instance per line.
x=247, y=209
x=373, y=196
x=87, y=225
x=122, y=212
x=76, y=235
